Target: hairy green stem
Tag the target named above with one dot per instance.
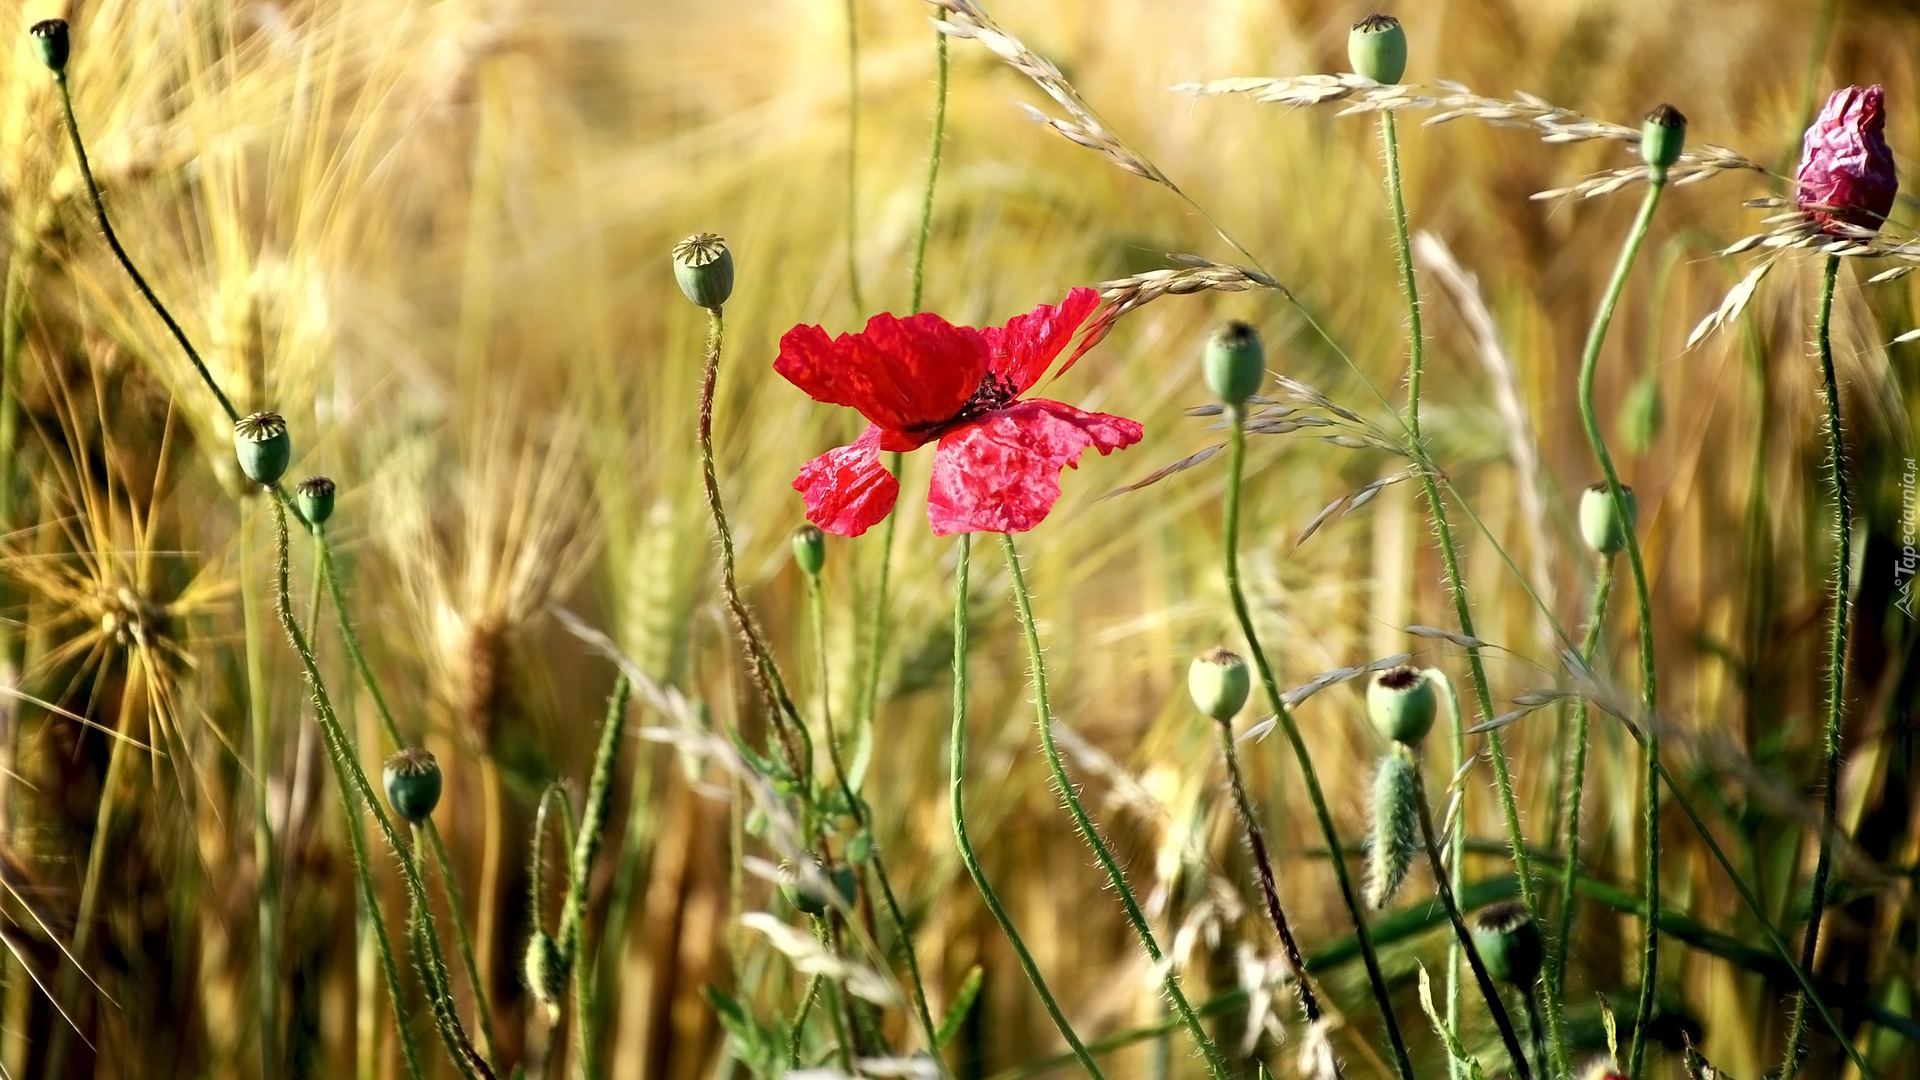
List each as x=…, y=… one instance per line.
x=1561, y=945
x=586, y=844
x=483, y=1010
x=1836, y=653
x=1236, y=425
x=957, y=802
x=933, y=166
x=1589, y=364
x=1089, y=832
x=1456, y=855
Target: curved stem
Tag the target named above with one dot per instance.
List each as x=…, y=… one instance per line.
x=1236, y=424
x=1836, y=653
x=1083, y=823
x=1562, y=942
x=1589, y=364
x=957, y=803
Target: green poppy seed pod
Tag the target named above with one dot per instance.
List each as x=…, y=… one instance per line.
x=413, y=784
x=1235, y=362
x=1600, y=524
x=704, y=267
x=1509, y=944
x=1393, y=836
x=1640, y=415
x=1377, y=48
x=50, y=37
x=1402, y=704
x=810, y=549
x=265, y=449
x=1661, y=138
x=1219, y=683
x=314, y=496
x=546, y=972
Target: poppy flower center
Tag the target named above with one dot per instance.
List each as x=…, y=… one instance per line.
x=994, y=393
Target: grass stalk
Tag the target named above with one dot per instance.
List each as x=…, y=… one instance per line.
x=853, y=155
x=1236, y=427
x=1560, y=946
x=586, y=845
x=260, y=762
x=1836, y=654
x=957, y=802
x=482, y=1009
x=1090, y=833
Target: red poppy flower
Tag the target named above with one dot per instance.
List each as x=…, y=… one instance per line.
x=922, y=379
x=1845, y=164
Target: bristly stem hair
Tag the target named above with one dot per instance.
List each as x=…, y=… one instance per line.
x=1560, y=945
x=1236, y=427
x=1836, y=653
x=1089, y=832
x=956, y=801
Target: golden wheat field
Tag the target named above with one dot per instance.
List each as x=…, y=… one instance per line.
x=699, y=806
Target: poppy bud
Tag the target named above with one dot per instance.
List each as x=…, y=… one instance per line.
x=810, y=549
x=704, y=268
x=546, y=972
x=807, y=897
x=1402, y=704
x=1845, y=164
x=1600, y=525
x=1509, y=943
x=50, y=37
x=1640, y=414
x=1377, y=48
x=413, y=784
x=1219, y=682
x=1394, y=824
x=264, y=448
x=1661, y=137
x=1235, y=362
x=314, y=495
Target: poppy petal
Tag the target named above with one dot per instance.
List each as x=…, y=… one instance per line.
x=905, y=375
x=1028, y=343
x=847, y=490
x=1002, y=472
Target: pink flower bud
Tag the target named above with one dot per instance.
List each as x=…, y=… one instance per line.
x=1845, y=164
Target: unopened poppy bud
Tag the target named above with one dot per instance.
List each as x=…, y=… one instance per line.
x=1846, y=175
x=1393, y=834
x=546, y=972
x=1377, y=48
x=807, y=897
x=810, y=549
x=1235, y=362
x=50, y=37
x=1509, y=944
x=704, y=268
x=1661, y=137
x=314, y=495
x=261, y=441
x=1600, y=524
x=1640, y=414
x=1219, y=682
x=412, y=777
x=1402, y=703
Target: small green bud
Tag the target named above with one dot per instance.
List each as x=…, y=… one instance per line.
x=810, y=549
x=1394, y=833
x=807, y=897
x=546, y=972
x=1402, y=703
x=1661, y=138
x=1235, y=362
x=704, y=268
x=1377, y=48
x=1599, y=523
x=314, y=496
x=412, y=778
x=264, y=447
x=50, y=37
x=1509, y=944
x=1219, y=683
x=1640, y=415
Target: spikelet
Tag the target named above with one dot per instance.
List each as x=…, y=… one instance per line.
x=1394, y=829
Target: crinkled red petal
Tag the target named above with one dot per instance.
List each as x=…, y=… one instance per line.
x=1845, y=163
x=1002, y=472
x=1024, y=348
x=904, y=375
x=847, y=490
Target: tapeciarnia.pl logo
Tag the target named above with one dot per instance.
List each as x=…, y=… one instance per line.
x=1909, y=560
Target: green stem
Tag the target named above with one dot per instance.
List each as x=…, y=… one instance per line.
x=1083, y=823
x=1236, y=424
x=1836, y=653
x=1456, y=859
x=483, y=1010
x=853, y=155
x=933, y=165
x=1562, y=943
x=1443, y=883
x=586, y=845
x=957, y=802
x=352, y=639
x=837, y=1017
x=1589, y=364
x=267, y=903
